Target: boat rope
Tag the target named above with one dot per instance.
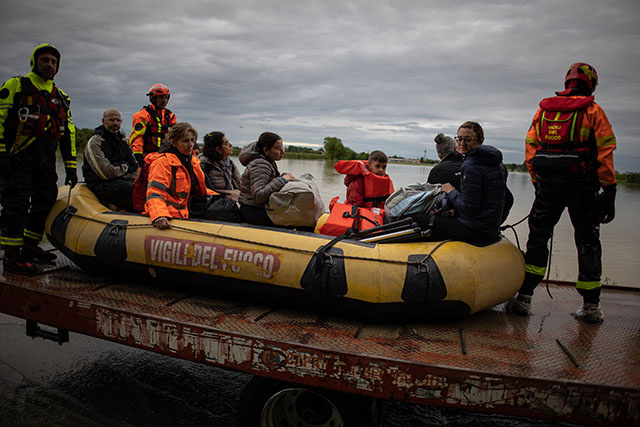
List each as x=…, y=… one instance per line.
x=512, y=227
x=549, y=265
x=253, y=242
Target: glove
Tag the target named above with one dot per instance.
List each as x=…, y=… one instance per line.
x=139, y=158
x=71, y=177
x=609, y=204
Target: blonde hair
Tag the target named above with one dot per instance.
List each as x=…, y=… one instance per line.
x=179, y=130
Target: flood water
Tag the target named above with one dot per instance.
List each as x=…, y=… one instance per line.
x=620, y=238
x=89, y=382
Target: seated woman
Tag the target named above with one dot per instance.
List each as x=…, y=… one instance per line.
x=479, y=202
x=175, y=177
x=223, y=174
x=261, y=177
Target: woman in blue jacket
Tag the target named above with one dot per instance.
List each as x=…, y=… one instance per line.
x=479, y=202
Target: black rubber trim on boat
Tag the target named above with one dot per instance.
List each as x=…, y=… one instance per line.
x=423, y=281
x=59, y=226
x=325, y=274
x=112, y=243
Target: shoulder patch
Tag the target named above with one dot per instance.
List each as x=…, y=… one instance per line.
x=4, y=93
x=139, y=126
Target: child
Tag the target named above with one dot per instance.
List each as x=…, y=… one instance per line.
x=367, y=183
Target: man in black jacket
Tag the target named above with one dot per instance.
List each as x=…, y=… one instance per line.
x=109, y=167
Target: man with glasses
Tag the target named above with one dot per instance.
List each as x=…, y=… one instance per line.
x=109, y=167
x=569, y=151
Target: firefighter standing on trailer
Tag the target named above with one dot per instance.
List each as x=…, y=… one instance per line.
x=34, y=117
x=151, y=123
x=569, y=151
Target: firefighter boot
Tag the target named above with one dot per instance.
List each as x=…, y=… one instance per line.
x=34, y=253
x=589, y=313
x=520, y=305
x=14, y=262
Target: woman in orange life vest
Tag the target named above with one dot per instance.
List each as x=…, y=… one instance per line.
x=175, y=176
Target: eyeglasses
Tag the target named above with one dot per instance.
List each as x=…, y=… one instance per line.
x=466, y=139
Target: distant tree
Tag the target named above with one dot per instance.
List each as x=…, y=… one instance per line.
x=82, y=136
x=334, y=148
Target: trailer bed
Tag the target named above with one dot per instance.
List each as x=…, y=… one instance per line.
x=546, y=366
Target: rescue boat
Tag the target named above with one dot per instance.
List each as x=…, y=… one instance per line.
x=423, y=279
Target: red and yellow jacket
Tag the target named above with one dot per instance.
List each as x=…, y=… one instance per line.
x=169, y=186
x=376, y=188
x=150, y=126
x=594, y=126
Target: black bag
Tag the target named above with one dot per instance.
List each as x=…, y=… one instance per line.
x=214, y=207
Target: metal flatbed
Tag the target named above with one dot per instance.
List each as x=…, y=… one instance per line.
x=548, y=366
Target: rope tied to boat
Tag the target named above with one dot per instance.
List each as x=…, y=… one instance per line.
x=120, y=226
x=423, y=265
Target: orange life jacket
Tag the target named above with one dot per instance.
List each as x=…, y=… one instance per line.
x=149, y=129
x=345, y=216
x=376, y=188
x=167, y=186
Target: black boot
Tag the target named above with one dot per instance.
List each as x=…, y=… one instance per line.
x=34, y=253
x=14, y=262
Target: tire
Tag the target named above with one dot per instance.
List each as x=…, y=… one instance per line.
x=271, y=403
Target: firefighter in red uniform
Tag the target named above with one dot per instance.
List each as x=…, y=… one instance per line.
x=34, y=118
x=151, y=123
x=569, y=151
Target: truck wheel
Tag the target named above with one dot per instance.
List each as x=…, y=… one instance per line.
x=271, y=403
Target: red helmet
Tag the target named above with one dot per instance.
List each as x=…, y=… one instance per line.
x=584, y=72
x=158, y=89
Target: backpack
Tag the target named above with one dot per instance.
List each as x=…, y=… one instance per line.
x=413, y=199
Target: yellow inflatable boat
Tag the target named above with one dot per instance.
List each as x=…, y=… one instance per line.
x=424, y=279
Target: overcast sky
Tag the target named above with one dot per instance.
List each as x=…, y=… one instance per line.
x=378, y=74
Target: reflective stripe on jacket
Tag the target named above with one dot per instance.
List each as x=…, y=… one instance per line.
x=46, y=114
x=594, y=127
x=169, y=185
x=149, y=129
x=376, y=188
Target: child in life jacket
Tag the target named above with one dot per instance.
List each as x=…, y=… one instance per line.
x=375, y=191
x=368, y=186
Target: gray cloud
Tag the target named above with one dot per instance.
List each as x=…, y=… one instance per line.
x=388, y=74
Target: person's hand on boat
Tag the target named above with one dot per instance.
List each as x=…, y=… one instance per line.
x=287, y=176
x=447, y=188
x=71, y=177
x=233, y=195
x=161, y=223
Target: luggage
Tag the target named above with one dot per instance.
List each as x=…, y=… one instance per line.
x=297, y=204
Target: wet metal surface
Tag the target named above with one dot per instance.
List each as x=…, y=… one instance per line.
x=490, y=362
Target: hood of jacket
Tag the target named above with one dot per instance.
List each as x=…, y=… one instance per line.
x=250, y=153
x=486, y=154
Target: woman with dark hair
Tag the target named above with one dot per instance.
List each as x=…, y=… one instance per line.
x=223, y=174
x=261, y=177
x=479, y=203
